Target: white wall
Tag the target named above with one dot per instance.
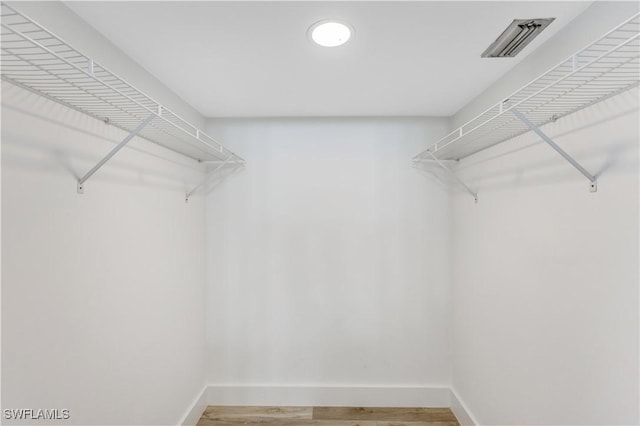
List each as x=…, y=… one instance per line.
x=327, y=261
x=545, y=277
x=545, y=281
x=103, y=293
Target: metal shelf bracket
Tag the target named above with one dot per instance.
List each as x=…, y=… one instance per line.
x=113, y=152
x=593, y=182
x=441, y=164
x=201, y=184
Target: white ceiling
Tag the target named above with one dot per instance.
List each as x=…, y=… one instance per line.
x=240, y=59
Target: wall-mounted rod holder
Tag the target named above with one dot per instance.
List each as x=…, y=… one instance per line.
x=593, y=183
x=221, y=165
x=464, y=185
x=113, y=152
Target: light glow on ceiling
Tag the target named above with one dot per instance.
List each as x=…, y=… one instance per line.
x=330, y=33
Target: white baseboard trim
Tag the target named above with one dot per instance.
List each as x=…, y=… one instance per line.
x=337, y=396
x=460, y=410
x=196, y=409
x=354, y=396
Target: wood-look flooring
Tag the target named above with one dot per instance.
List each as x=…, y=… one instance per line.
x=327, y=416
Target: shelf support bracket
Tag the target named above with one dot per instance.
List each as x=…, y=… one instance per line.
x=113, y=152
x=441, y=164
x=221, y=165
x=593, y=181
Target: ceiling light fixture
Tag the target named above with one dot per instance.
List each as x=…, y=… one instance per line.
x=330, y=33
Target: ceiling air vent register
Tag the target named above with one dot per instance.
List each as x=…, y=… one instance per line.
x=517, y=35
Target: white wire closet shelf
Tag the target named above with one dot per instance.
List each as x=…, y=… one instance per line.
x=601, y=70
x=37, y=60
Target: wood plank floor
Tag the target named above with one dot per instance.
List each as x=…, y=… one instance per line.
x=327, y=416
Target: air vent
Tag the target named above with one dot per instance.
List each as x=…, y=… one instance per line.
x=517, y=35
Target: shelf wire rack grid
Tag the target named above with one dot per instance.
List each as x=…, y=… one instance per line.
x=603, y=69
x=37, y=60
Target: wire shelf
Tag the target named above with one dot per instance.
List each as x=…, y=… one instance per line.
x=603, y=69
x=37, y=60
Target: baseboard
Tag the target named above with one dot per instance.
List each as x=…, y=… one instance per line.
x=460, y=410
x=198, y=406
x=341, y=396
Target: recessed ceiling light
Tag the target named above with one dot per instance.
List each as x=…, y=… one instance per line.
x=330, y=33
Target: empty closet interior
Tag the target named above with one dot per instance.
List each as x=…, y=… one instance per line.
x=230, y=204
